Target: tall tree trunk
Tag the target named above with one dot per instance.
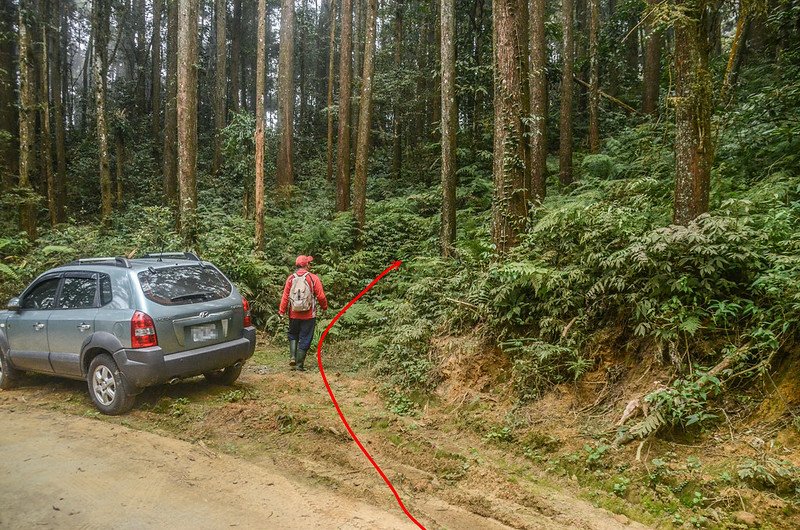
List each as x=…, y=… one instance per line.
x=100, y=23
x=358, y=25
x=9, y=118
x=236, y=52
x=509, y=208
x=477, y=31
x=581, y=56
x=714, y=27
x=221, y=82
x=358, y=49
x=301, y=59
x=594, y=76
x=171, y=110
x=522, y=18
x=632, y=45
x=735, y=56
x=27, y=119
x=343, y=143
x=652, y=63
x=56, y=52
x=693, y=144
x=155, y=72
x=119, y=148
x=87, y=71
x=66, y=61
x=397, y=124
x=249, y=69
x=428, y=89
x=449, y=127
x=270, y=104
x=45, y=138
x=320, y=58
x=140, y=54
x=331, y=79
x=261, y=66
x=436, y=83
x=187, y=117
x=365, y=116
x=567, y=90
x=285, y=176
x=538, y=86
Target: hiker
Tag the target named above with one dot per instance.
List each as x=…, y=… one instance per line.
x=302, y=293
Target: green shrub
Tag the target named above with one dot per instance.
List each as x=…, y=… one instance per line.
x=598, y=166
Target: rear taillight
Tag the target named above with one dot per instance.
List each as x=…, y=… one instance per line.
x=246, y=306
x=143, y=331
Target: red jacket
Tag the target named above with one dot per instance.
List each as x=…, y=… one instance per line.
x=319, y=295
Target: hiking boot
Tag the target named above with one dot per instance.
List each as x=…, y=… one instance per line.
x=301, y=357
x=292, y=353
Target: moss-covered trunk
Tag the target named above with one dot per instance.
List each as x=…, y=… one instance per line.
x=693, y=143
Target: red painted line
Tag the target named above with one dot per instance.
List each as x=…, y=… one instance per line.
x=394, y=265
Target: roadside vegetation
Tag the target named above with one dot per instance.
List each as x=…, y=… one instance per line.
x=654, y=366
x=599, y=287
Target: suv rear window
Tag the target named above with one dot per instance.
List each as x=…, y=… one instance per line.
x=184, y=285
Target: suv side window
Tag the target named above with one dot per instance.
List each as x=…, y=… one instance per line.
x=78, y=293
x=42, y=296
x=106, y=294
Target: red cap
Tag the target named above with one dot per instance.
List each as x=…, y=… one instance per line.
x=303, y=261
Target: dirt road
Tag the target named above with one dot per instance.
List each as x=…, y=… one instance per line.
x=269, y=453
x=71, y=472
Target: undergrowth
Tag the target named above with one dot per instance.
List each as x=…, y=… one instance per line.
x=598, y=255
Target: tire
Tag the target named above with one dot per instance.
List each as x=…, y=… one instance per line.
x=226, y=376
x=9, y=375
x=107, y=387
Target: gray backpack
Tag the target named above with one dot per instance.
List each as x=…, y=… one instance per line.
x=301, y=296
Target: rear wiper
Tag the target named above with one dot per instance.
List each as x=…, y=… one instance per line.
x=188, y=296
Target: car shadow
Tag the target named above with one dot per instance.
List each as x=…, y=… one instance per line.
x=191, y=389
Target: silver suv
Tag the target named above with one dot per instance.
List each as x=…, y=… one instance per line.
x=123, y=325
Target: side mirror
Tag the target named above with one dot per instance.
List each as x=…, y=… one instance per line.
x=13, y=305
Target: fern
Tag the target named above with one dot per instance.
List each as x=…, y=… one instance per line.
x=651, y=424
x=58, y=249
x=7, y=271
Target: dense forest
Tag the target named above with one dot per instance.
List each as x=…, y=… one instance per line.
x=581, y=186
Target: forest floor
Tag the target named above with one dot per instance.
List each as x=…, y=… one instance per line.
x=272, y=446
x=451, y=455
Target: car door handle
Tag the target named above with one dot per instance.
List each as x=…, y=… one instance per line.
x=84, y=327
x=39, y=326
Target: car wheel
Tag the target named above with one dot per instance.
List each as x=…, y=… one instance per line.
x=226, y=376
x=107, y=387
x=8, y=374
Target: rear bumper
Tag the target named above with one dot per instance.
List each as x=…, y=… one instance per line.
x=150, y=366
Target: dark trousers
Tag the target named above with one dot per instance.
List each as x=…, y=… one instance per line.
x=302, y=331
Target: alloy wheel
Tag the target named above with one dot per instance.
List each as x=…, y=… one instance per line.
x=104, y=385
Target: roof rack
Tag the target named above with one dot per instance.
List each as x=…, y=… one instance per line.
x=173, y=255
x=117, y=261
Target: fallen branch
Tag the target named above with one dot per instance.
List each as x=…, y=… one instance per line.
x=567, y=327
x=608, y=96
x=473, y=306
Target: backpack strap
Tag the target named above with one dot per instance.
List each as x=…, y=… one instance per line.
x=307, y=275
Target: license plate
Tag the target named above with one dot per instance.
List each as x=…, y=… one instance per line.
x=204, y=332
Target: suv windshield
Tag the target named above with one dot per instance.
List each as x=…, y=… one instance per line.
x=184, y=285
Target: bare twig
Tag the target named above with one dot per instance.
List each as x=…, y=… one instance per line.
x=639, y=449
x=634, y=28
x=473, y=306
x=567, y=327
